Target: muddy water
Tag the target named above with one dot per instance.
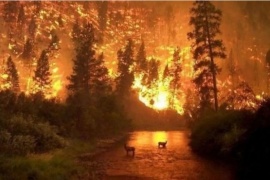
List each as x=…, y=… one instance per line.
x=176, y=161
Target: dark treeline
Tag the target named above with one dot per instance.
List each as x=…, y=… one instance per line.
x=239, y=136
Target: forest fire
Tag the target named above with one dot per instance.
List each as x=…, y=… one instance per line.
x=159, y=95
x=93, y=81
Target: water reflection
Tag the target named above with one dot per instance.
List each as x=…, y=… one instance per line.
x=140, y=139
x=174, y=162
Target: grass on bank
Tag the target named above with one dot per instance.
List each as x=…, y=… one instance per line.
x=58, y=164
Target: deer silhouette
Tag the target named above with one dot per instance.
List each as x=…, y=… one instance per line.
x=162, y=144
x=130, y=149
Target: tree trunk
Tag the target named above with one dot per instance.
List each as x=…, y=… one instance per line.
x=212, y=63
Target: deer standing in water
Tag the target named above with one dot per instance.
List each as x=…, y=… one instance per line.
x=162, y=144
x=130, y=149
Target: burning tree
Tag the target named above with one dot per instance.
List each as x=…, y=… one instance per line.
x=141, y=62
x=32, y=28
x=151, y=77
x=12, y=79
x=152, y=73
x=54, y=44
x=166, y=72
x=28, y=51
x=42, y=77
x=21, y=20
x=10, y=11
x=76, y=31
x=38, y=6
x=176, y=74
x=205, y=19
x=242, y=97
x=102, y=8
x=125, y=78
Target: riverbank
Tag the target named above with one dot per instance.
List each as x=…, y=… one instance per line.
x=86, y=160
x=239, y=136
x=67, y=163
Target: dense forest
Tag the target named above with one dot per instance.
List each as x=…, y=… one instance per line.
x=82, y=70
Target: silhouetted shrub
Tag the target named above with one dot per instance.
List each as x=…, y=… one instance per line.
x=255, y=146
x=219, y=132
x=46, y=137
x=20, y=136
x=22, y=144
x=5, y=139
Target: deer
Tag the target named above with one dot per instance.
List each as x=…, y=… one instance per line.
x=130, y=149
x=162, y=144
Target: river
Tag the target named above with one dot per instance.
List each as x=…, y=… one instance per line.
x=176, y=161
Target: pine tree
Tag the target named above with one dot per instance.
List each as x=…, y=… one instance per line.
x=125, y=78
x=166, y=72
x=38, y=6
x=28, y=51
x=12, y=76
x=42, y=76
x=85, y=57
x=243, y=98
x=100, y=78
x=32, y=28
x=153, y=66
x=206, y=20
x=84, y=80
x=141, y=66
x=102, y=8
x=21, y=16
x=76, y=32
x=10, y=11
x=141, y=62
x=176, y=74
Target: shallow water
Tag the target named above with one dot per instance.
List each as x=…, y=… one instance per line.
x=176, y=161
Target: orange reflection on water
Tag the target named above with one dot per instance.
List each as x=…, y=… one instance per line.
x=159, y=136
x=148, y=138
